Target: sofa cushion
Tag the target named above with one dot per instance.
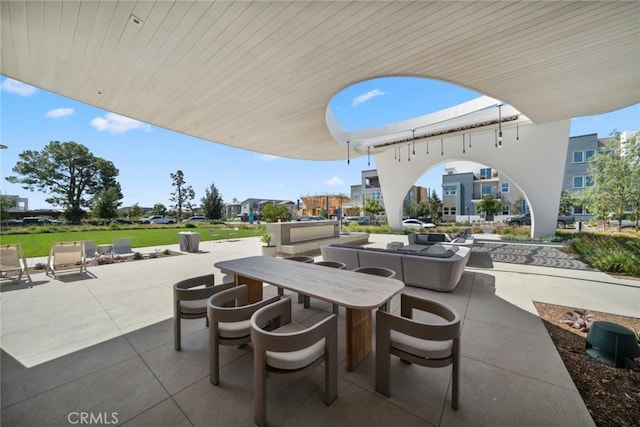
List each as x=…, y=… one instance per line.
x=437, y=251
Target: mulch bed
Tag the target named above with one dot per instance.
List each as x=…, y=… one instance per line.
x=611, y=395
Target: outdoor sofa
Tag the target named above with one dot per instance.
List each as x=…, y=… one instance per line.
x=438, y=267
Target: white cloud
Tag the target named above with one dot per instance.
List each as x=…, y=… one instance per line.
x=116, y=123
x=333, y=181
x=18, y=88
x=267, y=157
x=361, y=99
x=59, y=112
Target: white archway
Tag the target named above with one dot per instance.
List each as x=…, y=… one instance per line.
x=535, y=162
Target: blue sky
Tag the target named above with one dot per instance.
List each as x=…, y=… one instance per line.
x=146, y=155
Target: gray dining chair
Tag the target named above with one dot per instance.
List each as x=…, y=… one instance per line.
x=333, y=264
x=301, y=297
x=377, y=271
x=290, y=351
x=229, y=323
x=190, y=301
x=433, y=344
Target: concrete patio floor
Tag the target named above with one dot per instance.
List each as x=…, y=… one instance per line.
x=102, y=345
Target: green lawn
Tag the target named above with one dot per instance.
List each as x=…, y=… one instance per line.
x=37, y=244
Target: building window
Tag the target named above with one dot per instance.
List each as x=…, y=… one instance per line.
x=453, y=210
x=445, y=210
x=578, y=157
x=578, y=182
x=486, y=190
x=505, y=209
x=578, y=210
x=449, y=190
x=376, y=195
x=589, y=154
x=588, y=181
x=485, y=173
x=504, y=187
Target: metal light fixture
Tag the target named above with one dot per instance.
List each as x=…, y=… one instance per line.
x=518, y=132
x=469, y=140
x=408, y=154
x=499, y=125
x=442, y=146
x=427, y=148
x=495, y=138
x=413, y=139
x=369, y=155
x=463, y=150
x=348, y=149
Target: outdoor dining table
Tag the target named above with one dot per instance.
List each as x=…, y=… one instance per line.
x=359, y=293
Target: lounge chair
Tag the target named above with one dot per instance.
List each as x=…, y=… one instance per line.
x=122, y=246
x=66, y=256
x=12, y=259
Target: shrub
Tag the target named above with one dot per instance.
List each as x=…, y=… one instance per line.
x=190, y=225
x=137, y=256
x=167, y=252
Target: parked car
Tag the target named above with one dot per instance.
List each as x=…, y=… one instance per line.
x=158, y=219
x=416, y=223
x=525, y=219
x=197, y=218
x=121, y=221
x=311, y=218
x=626, y=223
x=360, y=220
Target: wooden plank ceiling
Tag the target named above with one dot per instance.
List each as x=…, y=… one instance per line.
x=259, y=75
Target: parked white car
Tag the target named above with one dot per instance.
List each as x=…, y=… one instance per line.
x=416, y=223
x=158, y=219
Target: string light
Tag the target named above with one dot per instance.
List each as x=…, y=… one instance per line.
x=518, y=132
x=408, y=154
x=369, y=155
x=348, y=149
x=413, y=139
x=442, y=146
x=499, y=125
x=463, y=150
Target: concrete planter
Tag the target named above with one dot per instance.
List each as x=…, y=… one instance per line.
x=269, y=251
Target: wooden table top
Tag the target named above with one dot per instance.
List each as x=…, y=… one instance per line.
x=343, y=287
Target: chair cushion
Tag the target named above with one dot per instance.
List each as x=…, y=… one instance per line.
x=196, y=306
x=421, y=348
x=292, y=360
x=234, y=329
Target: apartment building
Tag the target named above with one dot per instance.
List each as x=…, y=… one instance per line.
x=369, y=188
x=464, y=184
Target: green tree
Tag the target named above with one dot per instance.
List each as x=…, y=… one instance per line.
x=489, y=206
x=135, y=212
x=68, y=172
x=273, y=213
x=106, y=203
x=413, y=208
x=613, y=173
x=435, y=205
x=423, y=209
x=212, y=205
x=6, y=203
x=372, y=206
x=516, y=207
x=183, y=195
x=159, y=209
x=567, y=202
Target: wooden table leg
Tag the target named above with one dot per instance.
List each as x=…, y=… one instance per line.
x=254, y=288
x=359, y=329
